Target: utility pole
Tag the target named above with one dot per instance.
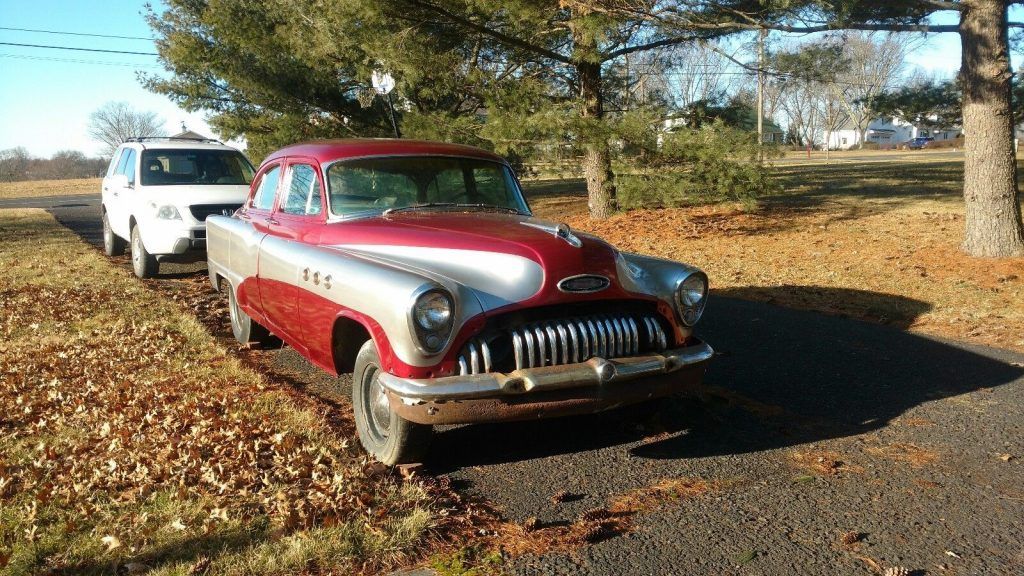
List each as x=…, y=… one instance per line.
x=760, y=92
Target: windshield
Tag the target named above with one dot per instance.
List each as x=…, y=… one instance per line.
x=397, y=182
x=194, y=167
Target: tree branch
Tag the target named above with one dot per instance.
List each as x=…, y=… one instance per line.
x=499, y=36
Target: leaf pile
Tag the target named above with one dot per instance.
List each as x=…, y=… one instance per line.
x=128, y=438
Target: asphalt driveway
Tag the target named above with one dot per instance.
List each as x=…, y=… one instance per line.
x=825, y=446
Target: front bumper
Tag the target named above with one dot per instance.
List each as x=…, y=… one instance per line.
x=592, y=386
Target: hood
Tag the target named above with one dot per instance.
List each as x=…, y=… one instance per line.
x=503, y=258
x=183, y=196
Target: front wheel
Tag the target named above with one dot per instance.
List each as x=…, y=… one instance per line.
x=113, y=245
x=390, y=438
x=243, y=327
x=144, y=264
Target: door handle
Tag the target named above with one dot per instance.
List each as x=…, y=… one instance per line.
x=117, y=193
x=272, y=222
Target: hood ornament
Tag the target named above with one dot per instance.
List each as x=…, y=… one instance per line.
x=561, y=230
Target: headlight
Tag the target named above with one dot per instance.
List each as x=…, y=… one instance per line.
x=691, y=296
x=432, y=315
x=168, y=212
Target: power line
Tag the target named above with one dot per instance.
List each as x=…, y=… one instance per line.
x=76, y=34
x=78, y=49
x=76, y=61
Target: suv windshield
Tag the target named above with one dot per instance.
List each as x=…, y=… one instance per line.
x=194, y=167
x=430, y=182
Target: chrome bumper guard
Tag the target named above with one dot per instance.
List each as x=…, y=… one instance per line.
x=595, y=372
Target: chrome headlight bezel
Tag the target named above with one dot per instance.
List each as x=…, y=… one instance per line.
x=691, y=297
x=431, y=341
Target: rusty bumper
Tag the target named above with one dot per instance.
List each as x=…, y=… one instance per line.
x=592, y=386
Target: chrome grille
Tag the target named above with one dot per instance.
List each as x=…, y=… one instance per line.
x=565, y=341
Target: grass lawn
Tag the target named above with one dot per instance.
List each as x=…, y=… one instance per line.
x=130, y=441
x=877, y=241
x=35, y=188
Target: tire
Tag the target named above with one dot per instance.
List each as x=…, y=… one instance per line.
x=387, y=436
x=245, y=329
x=144, y=264
x=113, y=245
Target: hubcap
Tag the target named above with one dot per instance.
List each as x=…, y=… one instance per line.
x=136, y=244
x=233, y=311
x=107, y=240
x=376, y=403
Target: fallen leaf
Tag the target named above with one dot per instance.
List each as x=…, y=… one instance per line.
x=953, y=554
x=111, y=542
x=177, y=525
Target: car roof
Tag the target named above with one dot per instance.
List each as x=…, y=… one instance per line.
x=329, y=150
x=178, y=145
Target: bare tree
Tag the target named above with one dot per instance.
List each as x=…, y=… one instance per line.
x=698, y=73
x=115, y=122
x=874, y=60
x=14, y=164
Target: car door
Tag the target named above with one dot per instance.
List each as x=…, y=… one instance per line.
x=295, y=223
x=116, y=194
x=257, y=212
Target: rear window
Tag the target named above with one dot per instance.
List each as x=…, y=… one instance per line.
x=194, y=167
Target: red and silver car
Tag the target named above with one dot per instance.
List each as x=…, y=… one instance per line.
x=418, y=267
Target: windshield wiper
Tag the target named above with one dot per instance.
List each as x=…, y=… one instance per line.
x=449, y=205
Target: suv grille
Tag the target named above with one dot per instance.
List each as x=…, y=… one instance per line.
x=201, y=211
x=562, y=341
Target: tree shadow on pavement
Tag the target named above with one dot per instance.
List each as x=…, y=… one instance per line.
x=781, y=377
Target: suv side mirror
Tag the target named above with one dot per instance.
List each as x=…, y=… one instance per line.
x=120, y=181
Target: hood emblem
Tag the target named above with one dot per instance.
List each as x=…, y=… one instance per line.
x=559, y=230
x=227, y=212
x=584, y=284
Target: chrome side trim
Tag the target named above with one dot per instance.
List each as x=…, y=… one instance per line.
x=596, y=372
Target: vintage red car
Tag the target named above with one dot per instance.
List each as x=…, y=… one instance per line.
x=418, y=267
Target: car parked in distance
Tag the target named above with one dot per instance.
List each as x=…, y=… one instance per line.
x=919, y=142
x=158, y=192
x=419, y=268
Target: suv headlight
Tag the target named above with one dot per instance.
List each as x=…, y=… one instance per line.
x=432, y=316
x=691, y=296
x=168, y=212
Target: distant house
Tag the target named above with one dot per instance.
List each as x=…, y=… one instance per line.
x=887, y=132
x=190, y=135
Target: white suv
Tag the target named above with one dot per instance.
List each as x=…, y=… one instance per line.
x=158, y=192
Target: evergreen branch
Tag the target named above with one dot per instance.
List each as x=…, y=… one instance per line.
x=497, y=35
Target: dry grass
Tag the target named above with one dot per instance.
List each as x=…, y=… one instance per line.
x=912, y=454
x=822, y=462
x=33, y=188
x=874, y=241
x=131, y=441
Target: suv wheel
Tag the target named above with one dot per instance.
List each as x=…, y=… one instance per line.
x=387, y=436
x=113, y=245
x=143, y=263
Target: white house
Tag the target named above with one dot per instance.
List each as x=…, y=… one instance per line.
x=886, y=132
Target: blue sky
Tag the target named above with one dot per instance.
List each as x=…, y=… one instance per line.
x=45, y=103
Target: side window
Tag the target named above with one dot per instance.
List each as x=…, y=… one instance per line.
x=491, y=185
x=122, y=161
x=302, y=197
x=129, y=166
x=263, y=199
x=115, y=162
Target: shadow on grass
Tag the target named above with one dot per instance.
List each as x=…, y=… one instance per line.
x=782, y=377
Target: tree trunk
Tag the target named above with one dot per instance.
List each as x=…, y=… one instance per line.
x=993, y=222
x=597, y=162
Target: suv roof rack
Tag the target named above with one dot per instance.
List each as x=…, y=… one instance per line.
x=171, y=138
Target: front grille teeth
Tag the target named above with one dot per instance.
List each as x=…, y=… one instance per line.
x=567, y=341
